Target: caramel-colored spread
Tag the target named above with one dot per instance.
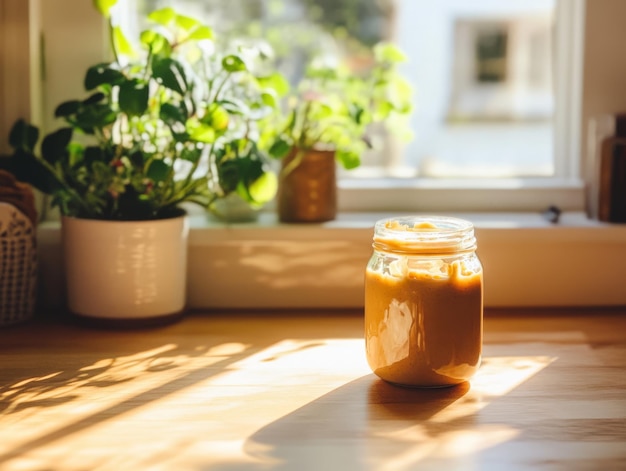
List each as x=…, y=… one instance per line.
x=423, y=324
x=419, y=226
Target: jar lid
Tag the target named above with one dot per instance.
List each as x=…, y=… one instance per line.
x=424, y=235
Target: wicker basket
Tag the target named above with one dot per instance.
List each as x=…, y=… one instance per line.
x=18, y=266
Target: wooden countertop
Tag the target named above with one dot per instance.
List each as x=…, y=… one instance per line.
x=259, y=391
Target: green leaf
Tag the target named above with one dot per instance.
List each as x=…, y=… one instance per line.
x=66, y=109
x=172, y=114
x=200, y=132
x=104, y=6
x=181, y=136
x=170, y=73
x=322, y=73
x=264, y=188
x=400, y=95
x=382, y=111
x=233, y=63
x=122, y=44
x=23, y=136
x=76, y=153
x=217, y=117
x=164, y=16
x=269, y=99
x=102, y=74
x=276, y=82
x=321, y=111
x=158, y=171
x=356, y=112
x=29, y=169
x=388, y=52
x=156, y=42
x=95, y=98
x=229, y=175
x=95, y=116
x=201, y=33
x=186, y=23
x=175, y=117
x=204, y=134
x=348, y=159
x=191, y=155
x=279, y=149
x=133, y=97
x=54, y=145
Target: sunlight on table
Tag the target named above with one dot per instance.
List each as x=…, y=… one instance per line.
x=234, y=405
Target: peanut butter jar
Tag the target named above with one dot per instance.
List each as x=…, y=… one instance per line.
x=424, y=301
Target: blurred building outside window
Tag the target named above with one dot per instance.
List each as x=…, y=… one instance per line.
x=482, y=72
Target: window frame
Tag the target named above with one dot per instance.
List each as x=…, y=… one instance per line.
x=568, y=125
x=566, y=189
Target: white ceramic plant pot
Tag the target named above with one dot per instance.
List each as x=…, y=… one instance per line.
x=126, y=270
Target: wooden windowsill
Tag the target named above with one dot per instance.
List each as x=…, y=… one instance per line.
x=292, y=391
x=528, y=261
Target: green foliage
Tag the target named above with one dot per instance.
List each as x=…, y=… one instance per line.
x=163, y=124
x=104, y=6
x=243, y=169
x=334, y=107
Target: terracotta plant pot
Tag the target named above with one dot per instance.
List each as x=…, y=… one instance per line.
x=307, y=190
x=126, y=272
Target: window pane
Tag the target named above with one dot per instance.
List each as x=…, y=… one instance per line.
x=481, y=70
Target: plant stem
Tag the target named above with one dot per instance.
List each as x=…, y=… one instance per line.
x=112, y=40
x=303, y=140
x=221, y=86
x=295, y=162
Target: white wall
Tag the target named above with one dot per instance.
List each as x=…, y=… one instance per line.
x=74, y=39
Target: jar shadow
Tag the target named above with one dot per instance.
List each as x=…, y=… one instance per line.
x=363, y=423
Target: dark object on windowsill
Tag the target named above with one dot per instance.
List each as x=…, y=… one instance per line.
x=552, y=214
x=18, y=261
x=612, y=174
x=18, y=194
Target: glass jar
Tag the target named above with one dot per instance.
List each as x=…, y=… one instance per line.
x=424, y=301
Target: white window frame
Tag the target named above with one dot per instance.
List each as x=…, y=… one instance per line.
x=569, y=126
x=565, y=190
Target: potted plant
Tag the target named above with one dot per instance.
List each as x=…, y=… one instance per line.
x=241, y=90
x=327, y=121
x=244, y=181
x=131, y=154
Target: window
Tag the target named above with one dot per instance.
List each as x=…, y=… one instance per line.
x=496, y=121
x=482, y=72
x=74, y=38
